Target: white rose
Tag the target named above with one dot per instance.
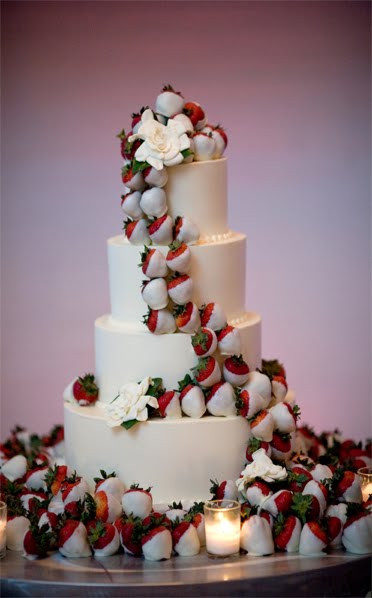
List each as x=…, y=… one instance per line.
x=162, y=144
x=131, y=404
x=261, y=467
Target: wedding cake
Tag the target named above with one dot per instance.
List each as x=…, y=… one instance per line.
x=141, y=422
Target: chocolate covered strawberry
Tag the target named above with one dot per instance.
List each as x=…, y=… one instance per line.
x=131, y=533
x=287, y=533
x=204, y=342
x=153, y=263
x=196, y=114
x=35, y=478
x=298, y=477
x=229, y=341
x=198, y=521
x=161, y=230
x=108, y=507
x=169, y=405
x=319, y=491
x=136, y=231
x=15, y=468
x=259, y=383
x=73, y=540
x=262, y=425
x=110, y=484
x=248, y=403
x=37, y=542
x=137, y=502
x=212, y=316
x=235, y=370
x=191, y=398
x=103, y=538
x=281, y=446
x=279, y=502
x=32, y=500
x=204, y=146
x=220, y=138
x=313, y=539
x=85, y=390
x=185, y=121
x=157, y=544
x=225, y=490
x=160, y=321
x=258, y=492
x=74, y=489
x=185, y=230
x=154, y=293
x=169, y=102
x=348, y=487
x=285, y=417
x=220, y=400
x=133, y=180
x=179, y=257
x=187, y=317
x=357, y=532
x=49, y=519
x=154, y=202
x=207, y=372
x=279, y=387
x=130, y=204
x=256, y=536
x=55, y=476
x=321, y=472
x=180, y=288
x=16, y=528
x=185, y=539
x=254, y=444
x=154, y=177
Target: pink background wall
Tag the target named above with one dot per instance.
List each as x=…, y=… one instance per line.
x=289, y=81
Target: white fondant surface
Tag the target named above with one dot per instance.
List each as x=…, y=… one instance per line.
x=217, y=271
x=199, y=191
x=176, y=457
x=129, y=353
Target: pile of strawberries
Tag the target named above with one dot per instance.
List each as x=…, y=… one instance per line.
x=317, y=506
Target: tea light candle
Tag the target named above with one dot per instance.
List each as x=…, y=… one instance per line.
x=2, y=529
x=222, y=527
x=365, y=473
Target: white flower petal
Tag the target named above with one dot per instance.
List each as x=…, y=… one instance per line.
x=184, y=142
x=157, y=164
x=174, y=161
x=144, y=385
x=142, y=152
x=142, y=415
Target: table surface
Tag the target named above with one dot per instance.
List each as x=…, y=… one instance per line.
x=334, y=574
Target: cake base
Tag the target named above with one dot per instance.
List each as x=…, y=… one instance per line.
x=176, y=457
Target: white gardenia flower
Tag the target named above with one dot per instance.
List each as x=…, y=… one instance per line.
x=162, y=144
x=131, y=404
x=261, y=467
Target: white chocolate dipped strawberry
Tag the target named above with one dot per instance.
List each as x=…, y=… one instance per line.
x=319, y=491
x=348, y=487
x=260, y=383
x=154, y=293
x=137, y=502
x=187, y=317
x=185, y=539
x=287, y=533
x=155, y=178
x=185, y=121
x=180, y=288
x=191, y=398
x=160, y=321
x=254, y=444
x=285, y=417
x=169, y=405
x=15, y=468
x=16, y=529
x=207, y=372
x=185, y=230
x=49, y=519
x=108, y=507
x=357, y=533
x=279, y=502
x=225, y=490
x=153, y=263
x=204, y=342
x=130, y=204
x=335, y=517
x=133, y=180
x=281, y=446
x=212, y=316
x=157, y=544
x=235, y=370
x=196, y=114
x=110, y=484
x=136, y=231
x=154, y=202
x=74, y=489
x=256, y=536
x=161, y=230
x=73, y=540
x=248, y=403
x=220, y=138
x=220, y=400
x=262, y=425
x=103, y=538
x=258, y=492
x=198, y=521
x=279, y=387
x=204, y=146
x=313, y=539
x=229, y=341
x=35, y=478
x=179, y=257
x=169, y=102
x=321, y=472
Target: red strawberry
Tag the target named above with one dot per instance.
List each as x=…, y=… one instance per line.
x=280, y=502
x=85, y=390
x=254, y=445
x=37, y=542
x=212, y=316
x=287, y=533
x=220, y=400
x=334, y=527
x=229, y=341
x=180, y=289
x=169, y=404
x=161, y=230
x=279, y=387
x=54, y=478
x=313, y=538
x=349, y=487
x=257, y=493
x=298, y=478
x=73, y=540
x=185, y=230
x=130, y=536
x=235, y=370
x=160, y=321
x=103, y=538
x=204, y=342
x=153, y=263
x=281, y=446
x=221, y=131
x=262, y=425
x=196, y=114
x=134, y=181
x=223, y=491
x=157, y=544
x=248, y=404
x=136, y=231
x=179, y=257
x=127, y=148
x=187, y=317
x=185, y=539
x=207, y=372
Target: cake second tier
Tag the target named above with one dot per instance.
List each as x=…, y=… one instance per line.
x=217, y=271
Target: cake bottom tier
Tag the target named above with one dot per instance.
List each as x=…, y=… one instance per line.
x=126, y=353
x=176, y=457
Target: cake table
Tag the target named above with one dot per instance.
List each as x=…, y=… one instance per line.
x=335, y=574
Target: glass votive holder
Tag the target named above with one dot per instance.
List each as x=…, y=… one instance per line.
x=222, y=527
x=3, y=514
x=365, y=474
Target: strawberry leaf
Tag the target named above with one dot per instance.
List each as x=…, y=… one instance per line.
x=129, y=424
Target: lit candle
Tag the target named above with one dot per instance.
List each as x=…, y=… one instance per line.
x=2, y=529
x=222, y=527
x=365, y=474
